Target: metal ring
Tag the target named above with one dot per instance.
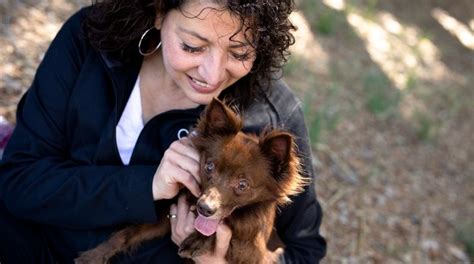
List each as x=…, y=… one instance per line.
x=140, y=44
x=182, y=131
x=171, y=216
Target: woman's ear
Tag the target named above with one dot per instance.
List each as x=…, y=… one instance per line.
x=158, y=21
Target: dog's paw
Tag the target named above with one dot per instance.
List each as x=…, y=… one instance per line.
x=89, y=258
x=190, y=249
x=195, y=245
x=272, y=257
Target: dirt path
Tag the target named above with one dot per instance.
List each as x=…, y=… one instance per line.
x=391, y=113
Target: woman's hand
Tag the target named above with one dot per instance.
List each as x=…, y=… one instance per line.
x=223, y=236
x=179, y=167
x=182, y=226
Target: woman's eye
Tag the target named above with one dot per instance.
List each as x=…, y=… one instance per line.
x=191, y=49
x=241, y=57
x=243, y=185
x=209, y=167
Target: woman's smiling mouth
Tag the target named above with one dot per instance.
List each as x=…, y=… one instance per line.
x=202, y=87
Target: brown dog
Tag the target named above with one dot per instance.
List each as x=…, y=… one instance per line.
x=244, y=178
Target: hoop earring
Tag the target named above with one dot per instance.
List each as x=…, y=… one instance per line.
x=140, y=44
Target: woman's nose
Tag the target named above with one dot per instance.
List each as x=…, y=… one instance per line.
x=213, y=68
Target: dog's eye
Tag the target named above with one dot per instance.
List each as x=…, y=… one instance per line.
x=243, y=185
x=209, y=167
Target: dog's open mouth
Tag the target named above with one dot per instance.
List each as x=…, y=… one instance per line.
x=206, y=225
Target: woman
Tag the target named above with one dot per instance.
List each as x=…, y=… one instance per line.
x=100, y=138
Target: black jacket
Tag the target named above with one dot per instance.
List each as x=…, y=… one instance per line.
x=62, y=169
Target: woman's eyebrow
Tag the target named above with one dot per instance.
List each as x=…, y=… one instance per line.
x=237, y=44
x=195, y=34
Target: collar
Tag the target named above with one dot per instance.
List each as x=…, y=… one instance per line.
x=123, y=76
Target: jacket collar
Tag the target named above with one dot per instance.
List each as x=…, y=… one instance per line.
x=123, y=76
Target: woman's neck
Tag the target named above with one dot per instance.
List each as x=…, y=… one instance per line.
x=159, y=92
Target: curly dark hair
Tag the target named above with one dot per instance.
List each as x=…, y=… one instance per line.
x=115, y=27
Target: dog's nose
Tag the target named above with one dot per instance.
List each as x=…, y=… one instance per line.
x=205, y=210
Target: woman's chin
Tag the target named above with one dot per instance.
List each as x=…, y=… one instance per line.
x=201, y=99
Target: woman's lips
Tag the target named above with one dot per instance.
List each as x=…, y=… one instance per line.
x=202, y=87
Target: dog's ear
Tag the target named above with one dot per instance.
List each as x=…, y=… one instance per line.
x=220, y=119
x=278, y=147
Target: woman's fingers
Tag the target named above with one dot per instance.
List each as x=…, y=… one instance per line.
x=186, y=147
x=223, y=236
x=189, y=228
x=182, y=225
x=183, y=209
x=173, y=220
x=169, y=179
x=179, y=166
x=186, y=179
x=189, y=162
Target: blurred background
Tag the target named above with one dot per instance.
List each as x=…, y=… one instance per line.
x=388, y=92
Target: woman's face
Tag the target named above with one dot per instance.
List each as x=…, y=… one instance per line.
x=197, y=52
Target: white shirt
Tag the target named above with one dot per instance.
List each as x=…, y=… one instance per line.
x=130, y=125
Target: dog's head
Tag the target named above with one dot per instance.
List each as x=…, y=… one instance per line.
x=238, y=169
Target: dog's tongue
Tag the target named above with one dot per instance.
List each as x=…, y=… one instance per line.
x=206, y=226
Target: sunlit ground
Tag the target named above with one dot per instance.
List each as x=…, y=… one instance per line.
x=401, y=51
x=462, y=32
x=376, y=190
x=307, y=46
